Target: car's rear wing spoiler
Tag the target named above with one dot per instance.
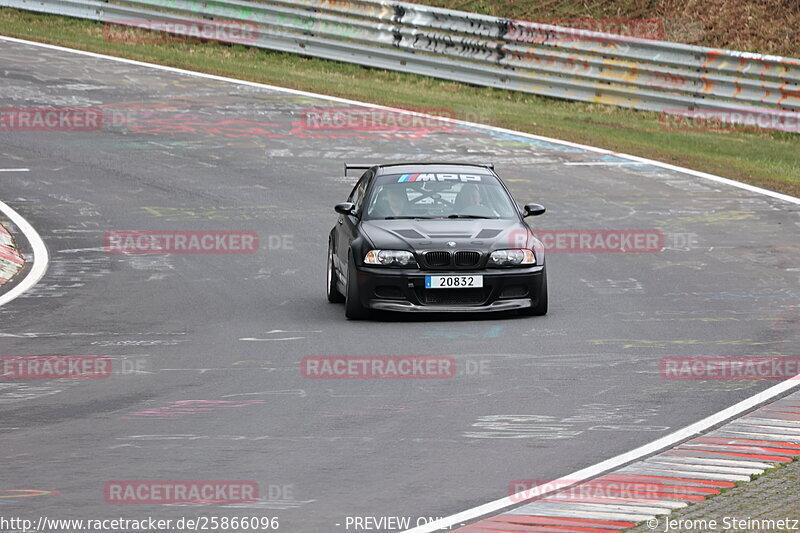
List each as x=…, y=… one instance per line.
x=356, y=166
x=365, y=166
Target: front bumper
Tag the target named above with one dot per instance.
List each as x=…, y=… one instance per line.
x=404, y=290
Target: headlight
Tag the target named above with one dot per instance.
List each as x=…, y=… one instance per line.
x=390, y=258
x=512, y=257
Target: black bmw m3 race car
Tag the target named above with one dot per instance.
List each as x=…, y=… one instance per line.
x=434, y=237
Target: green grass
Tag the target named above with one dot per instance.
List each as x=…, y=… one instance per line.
x=766, y=159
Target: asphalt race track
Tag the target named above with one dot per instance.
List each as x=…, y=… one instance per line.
x=217, y=339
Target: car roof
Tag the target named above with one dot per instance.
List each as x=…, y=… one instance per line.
x=419, y=168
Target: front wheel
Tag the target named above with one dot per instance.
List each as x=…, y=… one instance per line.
x=541, y=303
x=353, y=309
x=334, y=296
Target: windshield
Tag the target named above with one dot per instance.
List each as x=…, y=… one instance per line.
x=439, y=196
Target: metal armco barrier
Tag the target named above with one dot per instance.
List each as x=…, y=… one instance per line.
x=547, y=60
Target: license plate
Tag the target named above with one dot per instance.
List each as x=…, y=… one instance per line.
x=453, y=282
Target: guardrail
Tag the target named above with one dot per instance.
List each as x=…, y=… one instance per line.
x=542, y=59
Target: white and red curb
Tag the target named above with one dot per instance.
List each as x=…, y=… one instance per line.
x=687, y=473
x=11, y=260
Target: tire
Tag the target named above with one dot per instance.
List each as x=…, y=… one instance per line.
x=540, y=309
x=352, y=305
x=334, y=296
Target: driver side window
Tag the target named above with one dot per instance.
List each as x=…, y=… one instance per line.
x=357, y=196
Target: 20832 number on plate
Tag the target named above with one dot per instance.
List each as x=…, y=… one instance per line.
x=453, y=282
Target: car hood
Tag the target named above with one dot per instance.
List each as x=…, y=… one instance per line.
x=437, y=234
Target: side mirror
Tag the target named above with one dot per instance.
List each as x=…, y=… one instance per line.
x=533, y=210
x=345, y=208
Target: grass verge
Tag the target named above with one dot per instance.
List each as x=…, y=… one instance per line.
x=765, y=159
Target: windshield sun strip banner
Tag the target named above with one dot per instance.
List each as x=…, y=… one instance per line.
x=405, y=178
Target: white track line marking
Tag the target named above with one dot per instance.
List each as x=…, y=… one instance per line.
x=603, y=163
x=40, y=255
x=585, y=473
x=15, y=170
x=712, y=177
